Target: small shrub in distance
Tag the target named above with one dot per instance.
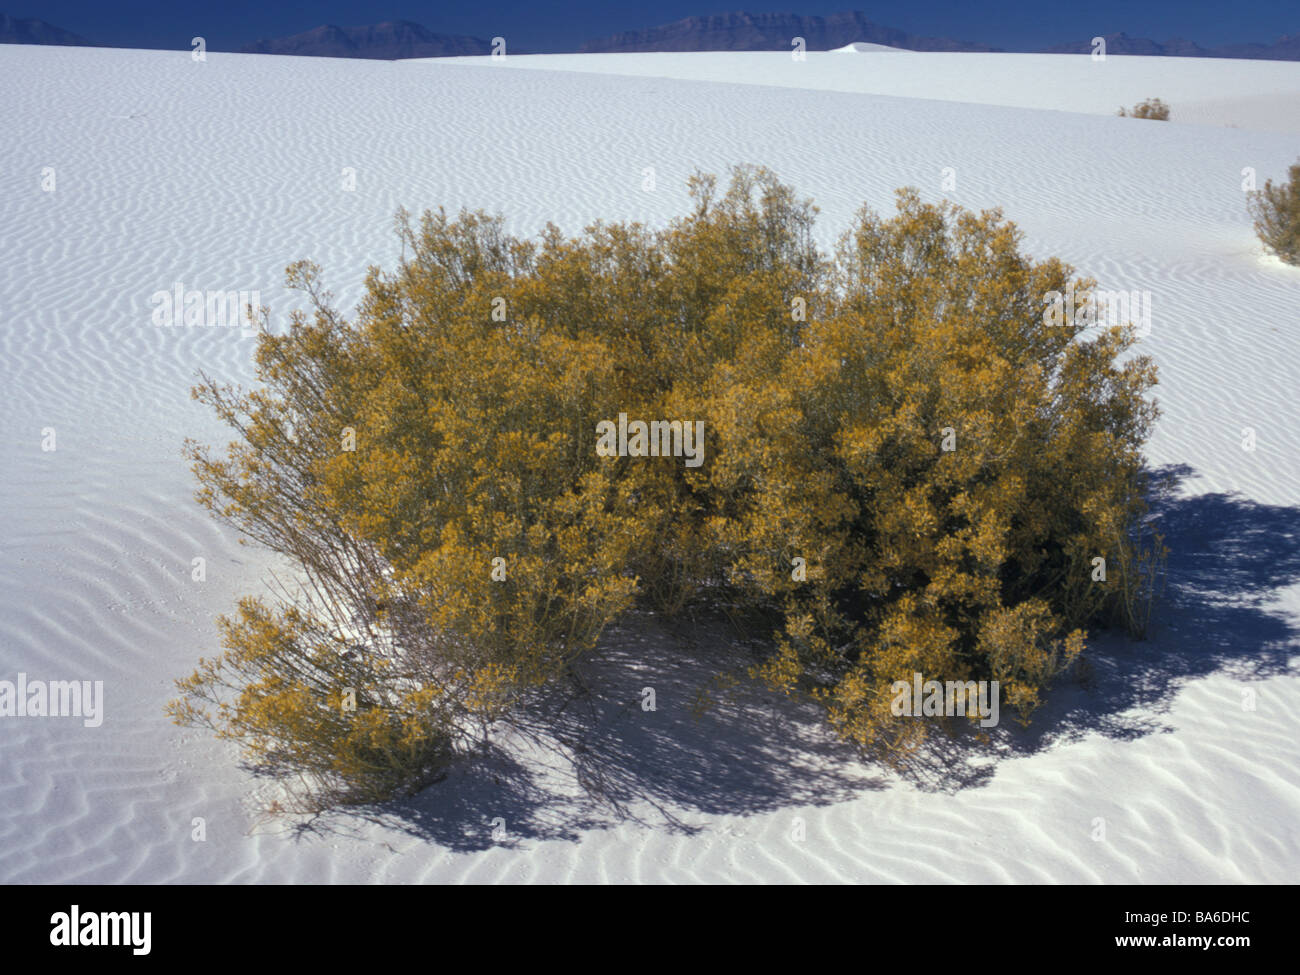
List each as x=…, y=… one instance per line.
x=897, y=418
x=1152, y=108
x=1276, y=211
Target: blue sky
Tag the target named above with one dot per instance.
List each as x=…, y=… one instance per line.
x=550, y=25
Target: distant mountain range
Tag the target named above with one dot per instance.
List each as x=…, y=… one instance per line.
x=1285, y=48
x=16, y=30
x=386, y=41
x=719, y=32
x=769, y=32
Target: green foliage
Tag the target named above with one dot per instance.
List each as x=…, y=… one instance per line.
x=1276, y=211
x=831, y=388
x=1152, y=108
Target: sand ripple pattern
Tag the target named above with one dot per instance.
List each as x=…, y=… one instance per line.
x=218, y=174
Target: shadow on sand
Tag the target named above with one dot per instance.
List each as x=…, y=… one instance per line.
x=595, y=757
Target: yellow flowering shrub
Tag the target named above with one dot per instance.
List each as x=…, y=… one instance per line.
x=1152, y=108
x=1275, y=208
x=903, y=461
x=949, y=467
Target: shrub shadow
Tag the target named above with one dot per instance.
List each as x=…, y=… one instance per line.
x=1228, y=558
x=593, y=754
x=603, y=751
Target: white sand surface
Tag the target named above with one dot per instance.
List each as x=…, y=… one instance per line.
x=866, y=47
x=1211, y=91
x=218, y=174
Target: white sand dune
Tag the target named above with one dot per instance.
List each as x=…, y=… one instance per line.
x=218, y=174
x=1211, y=91
x=865, y=47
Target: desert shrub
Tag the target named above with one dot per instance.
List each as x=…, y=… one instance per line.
x=1276, y=211
x=1152, y=108
x=967, y=563
x=420, y=467
x=905, y=466
x=305, y=703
